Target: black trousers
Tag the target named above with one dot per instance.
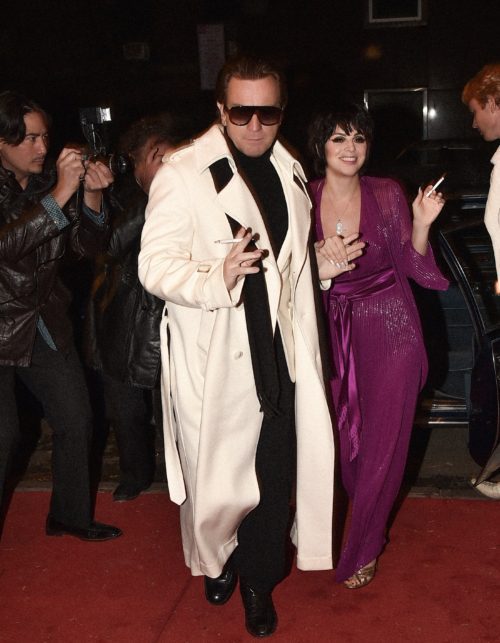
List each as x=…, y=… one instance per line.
x=261, y=557
x=58, y=382
x=129, y=410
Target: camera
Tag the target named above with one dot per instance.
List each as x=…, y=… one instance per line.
x=94, y=122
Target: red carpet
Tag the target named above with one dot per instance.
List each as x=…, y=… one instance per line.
x=438, y=582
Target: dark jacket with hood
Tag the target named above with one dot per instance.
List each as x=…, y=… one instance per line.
x=123, y=329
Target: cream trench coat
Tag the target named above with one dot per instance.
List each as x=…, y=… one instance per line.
x=211, y=411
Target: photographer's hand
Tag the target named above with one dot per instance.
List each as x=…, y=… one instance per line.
x=69, y=170
x=97, y=177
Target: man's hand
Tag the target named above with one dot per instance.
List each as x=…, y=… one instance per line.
x=239, y=263
x=69, y=172
x=96, y=177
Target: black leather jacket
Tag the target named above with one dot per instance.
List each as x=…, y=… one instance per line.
x=123, y=334
x=31, y=248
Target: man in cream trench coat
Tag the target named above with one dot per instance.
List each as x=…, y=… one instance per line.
x=213, y=416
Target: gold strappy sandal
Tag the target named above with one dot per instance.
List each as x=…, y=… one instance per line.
x=362, y=577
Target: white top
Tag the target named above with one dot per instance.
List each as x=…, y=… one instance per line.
x=492, y=210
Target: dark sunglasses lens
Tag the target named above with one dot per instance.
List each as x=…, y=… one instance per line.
x=242, y=114
x=269, y=115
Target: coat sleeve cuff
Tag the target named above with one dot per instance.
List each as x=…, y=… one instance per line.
x=52, y=208
x=216, y=293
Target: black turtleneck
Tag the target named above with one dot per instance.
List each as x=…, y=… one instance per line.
x=264, y=182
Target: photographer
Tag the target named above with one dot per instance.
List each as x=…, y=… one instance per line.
x=42, y=213
x=123, y=335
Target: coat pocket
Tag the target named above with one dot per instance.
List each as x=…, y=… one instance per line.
x=205, y=330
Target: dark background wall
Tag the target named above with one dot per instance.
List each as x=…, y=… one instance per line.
x=68, y=54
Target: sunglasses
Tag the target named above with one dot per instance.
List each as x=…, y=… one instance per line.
x=242, y=114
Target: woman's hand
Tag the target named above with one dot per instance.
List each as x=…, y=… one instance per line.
x=427, y=208
x=425, y=211
x=335, y=255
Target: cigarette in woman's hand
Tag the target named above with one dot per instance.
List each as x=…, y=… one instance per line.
x=436, y=184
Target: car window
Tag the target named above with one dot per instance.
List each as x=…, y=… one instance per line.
x=468, y=251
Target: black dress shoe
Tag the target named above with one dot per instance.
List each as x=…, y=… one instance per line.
x=219, y=590
x=260, y=616
x=127, y=491
x=96, y=531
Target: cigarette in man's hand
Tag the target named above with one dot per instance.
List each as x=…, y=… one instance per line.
x=228, y=240
x=436, y=184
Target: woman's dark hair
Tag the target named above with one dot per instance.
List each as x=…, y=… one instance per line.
x=13, y=109
x=247, y=67
x=349, y=116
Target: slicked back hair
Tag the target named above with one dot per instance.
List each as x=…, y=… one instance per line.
x=246, y=67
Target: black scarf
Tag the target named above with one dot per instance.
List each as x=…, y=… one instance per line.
x=254, y=293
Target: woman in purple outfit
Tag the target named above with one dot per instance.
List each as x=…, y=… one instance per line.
x=377, y=345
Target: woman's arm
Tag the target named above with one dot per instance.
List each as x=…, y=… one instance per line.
x=417, y=262
x=425, y=211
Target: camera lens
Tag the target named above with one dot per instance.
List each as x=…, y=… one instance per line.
x=119, y=163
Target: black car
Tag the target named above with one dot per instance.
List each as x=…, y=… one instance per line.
x=472, y=309
x=466, y=163
x=461, y=325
